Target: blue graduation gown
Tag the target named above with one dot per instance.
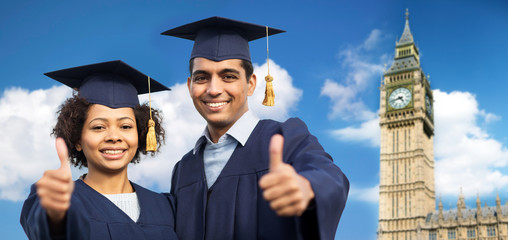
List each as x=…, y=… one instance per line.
x=234, y=207
x=93, y=216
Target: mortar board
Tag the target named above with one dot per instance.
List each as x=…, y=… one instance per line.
x=114, y=84
x=219, y=38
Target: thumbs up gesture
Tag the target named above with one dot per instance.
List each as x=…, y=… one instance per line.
x=288, y=192
x=55, y=187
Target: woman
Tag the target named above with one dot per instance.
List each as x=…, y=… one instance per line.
x=103, y=128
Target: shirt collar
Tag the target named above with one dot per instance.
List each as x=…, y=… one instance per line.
x=241, y=130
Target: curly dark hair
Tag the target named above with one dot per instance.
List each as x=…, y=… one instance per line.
x=71, y=118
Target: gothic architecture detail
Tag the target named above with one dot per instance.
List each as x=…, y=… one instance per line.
x=406, y=190
x=482, y=223
x=407, y=202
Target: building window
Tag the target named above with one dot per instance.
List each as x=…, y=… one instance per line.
x=409, y=138
x=405, y=140
x=452, y=234
x=393, y=141
x=405, y=171
x=409, y=170
x=410, y=203
x=491, y=231
x=393, y=172
x=397, y=177
x=397, y=141
x=405, y=205
x=397, y=206
x=432, y=235
x=393, y=207
x=471, y=233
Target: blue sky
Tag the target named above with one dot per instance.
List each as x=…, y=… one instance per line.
x=327, y=70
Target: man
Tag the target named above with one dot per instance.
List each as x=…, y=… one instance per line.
x=248, y=178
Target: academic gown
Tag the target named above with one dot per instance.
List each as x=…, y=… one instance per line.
x=234, y=207
x=92, y=216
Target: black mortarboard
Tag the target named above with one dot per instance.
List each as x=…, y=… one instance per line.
x=219, y=38
x=114, y=84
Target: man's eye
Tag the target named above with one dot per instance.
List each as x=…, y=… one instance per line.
x=199, y=78
x=230, y=77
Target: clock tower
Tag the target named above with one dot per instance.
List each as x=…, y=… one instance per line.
x=406, y=188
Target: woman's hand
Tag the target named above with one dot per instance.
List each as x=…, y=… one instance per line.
x=55, y=189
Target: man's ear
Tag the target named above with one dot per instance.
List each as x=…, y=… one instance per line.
x=252, y=84
x=189, y=83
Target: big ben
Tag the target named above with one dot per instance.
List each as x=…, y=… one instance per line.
x=406, y=189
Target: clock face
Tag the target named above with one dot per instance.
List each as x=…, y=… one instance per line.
x=399, y=98
x=428, y=105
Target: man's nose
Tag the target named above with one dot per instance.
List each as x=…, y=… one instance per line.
x=215, y=87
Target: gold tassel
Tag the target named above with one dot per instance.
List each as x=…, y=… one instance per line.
x=269, y=94
x=151, y=140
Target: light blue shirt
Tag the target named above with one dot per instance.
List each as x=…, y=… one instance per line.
x=216, y=155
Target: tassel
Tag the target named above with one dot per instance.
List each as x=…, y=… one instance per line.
x=151, y=140
x=269, y=94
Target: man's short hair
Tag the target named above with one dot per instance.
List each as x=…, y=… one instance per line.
x=246, y=65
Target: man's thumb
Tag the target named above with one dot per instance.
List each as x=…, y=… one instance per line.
x=276, y=147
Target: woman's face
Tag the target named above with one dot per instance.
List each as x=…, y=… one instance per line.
x=109, y=138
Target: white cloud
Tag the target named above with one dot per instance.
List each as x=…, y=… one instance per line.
x=370, y=195
x=489, y=117
x=286, y=95
x=368, y=131
x=466, y=156
x=374, y=38
x=361, y=73
x=346, y=96
x=26, y=120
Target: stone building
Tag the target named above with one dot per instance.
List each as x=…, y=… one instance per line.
x=407, y=202
x=465, y=223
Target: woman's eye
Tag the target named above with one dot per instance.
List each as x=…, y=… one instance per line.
x=126, y=127
x=97, y=127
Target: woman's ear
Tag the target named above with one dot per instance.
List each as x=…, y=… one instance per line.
x=78, y=146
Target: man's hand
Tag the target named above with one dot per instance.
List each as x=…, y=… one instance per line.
x=55, y=187
x=288, y=192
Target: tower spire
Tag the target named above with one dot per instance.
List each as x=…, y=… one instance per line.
x=406, y=37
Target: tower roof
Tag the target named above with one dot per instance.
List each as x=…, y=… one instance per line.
x=452, y=215
x=407, y=37
x=406, y=61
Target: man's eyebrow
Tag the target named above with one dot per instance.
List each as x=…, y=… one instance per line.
x=199, y=72
x=229, y=70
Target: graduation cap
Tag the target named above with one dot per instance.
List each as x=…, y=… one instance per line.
x=114, y=84
x=219, y=38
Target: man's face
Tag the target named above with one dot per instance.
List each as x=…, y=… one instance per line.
x=219, y=91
